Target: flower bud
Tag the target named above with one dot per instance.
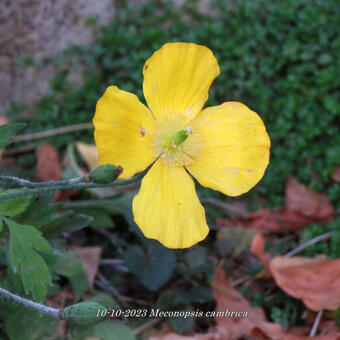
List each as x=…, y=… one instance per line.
x=84, y=313
x=105, y=173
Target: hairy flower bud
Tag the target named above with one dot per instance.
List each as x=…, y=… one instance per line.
x=105, y=173
x=84, y=313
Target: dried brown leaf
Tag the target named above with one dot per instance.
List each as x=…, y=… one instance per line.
x=316, y=281
x=257, y=248
x=89, y=257
x=48, y=163
x=336, y=175
x=306, y=202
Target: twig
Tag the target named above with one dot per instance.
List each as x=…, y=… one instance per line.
x=224, y=292
x=52, y=132
x=7, y=296
x=146, y=325
x=73, y=183
x=103, y=283
x=309, y=243
x=112, y=262
x=117, y=263
x=242, y=279
x=316, y=324
x=20, y=149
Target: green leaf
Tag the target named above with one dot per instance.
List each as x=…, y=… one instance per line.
x=182, y=324
x=22, y=323
x=177, y=300
x=67, y=222
x=8, y=131
x=113, y=331
x=70, y=266
x=40, y=212
x=199, y=264
x=15, y=206
x=101, y=218
x=105, y=300
x=153, y=268
x=1, y=224
x=25, y=242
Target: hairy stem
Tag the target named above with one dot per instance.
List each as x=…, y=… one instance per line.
x=73, y=183
x=8, y=296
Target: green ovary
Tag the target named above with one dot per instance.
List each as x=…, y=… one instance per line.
x=177, y=143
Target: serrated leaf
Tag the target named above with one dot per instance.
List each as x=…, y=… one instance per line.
x=40, y=212
x=153, y=268
x=7, y=131
x=24, y=243
x=15, y=206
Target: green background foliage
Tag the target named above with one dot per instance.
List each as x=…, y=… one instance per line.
x=281, y=58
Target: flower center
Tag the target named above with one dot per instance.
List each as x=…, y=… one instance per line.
x=176, y=141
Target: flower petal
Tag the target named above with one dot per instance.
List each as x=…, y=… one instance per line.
x=177, y=78
x=123, y=131
x=167, y=208
x=235, y=148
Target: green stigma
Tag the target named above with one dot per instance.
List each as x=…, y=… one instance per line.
x=180, y=136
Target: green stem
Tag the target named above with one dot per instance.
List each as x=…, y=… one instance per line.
x=73, y=183
x=8, y=296
x=20, y=182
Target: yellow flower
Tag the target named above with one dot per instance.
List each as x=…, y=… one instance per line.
x=224, y=147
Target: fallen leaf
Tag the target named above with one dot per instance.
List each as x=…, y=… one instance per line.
x=257, y=248
x=306, y=202
x=219, y=335
x=302, y=207
x=49, y=169
x=241, y=237
x=255, y=324
x=263, y=219
x=239, y=326
x=48, y=163
x=89, y=154
x=89, y=257
x=316, y=281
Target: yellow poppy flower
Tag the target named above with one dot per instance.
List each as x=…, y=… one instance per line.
x=224, y=147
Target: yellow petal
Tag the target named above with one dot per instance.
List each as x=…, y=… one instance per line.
x=177, y=78
x=167, y=208
x=235, y=148
x=123, y=131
